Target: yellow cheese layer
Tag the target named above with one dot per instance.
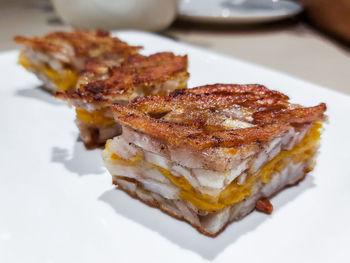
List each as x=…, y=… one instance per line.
x=96, y=117
x=65, y=80
x=234, y=193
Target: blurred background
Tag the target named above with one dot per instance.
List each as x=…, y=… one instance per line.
x=309, y=39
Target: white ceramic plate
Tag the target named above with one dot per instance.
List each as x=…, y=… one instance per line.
x=57, y=202
x=237, y=11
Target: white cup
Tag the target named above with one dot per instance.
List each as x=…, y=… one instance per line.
x=151, y=15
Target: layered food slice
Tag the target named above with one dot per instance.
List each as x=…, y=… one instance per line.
x=57, y=58
x=212, y=154
x=101, y=85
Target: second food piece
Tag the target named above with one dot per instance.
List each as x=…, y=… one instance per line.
x=100, y=85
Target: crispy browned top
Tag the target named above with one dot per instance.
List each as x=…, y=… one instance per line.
x=79, y=43
x=220, y=115
x=137, y=71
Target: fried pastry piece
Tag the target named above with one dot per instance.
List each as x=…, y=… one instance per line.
x=100, y=85
x=208, y=155
x=57, y=58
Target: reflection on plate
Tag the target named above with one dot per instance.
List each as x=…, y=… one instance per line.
x=237, y=11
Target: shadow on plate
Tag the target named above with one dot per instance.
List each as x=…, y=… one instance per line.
x=39, y=93
x=79, y=160
x=187, y=237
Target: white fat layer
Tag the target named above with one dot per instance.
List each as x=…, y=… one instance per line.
x=257, y=162
x=141, y=193
x=287, y=138
x=129, y=186
x=122, y=148
x=214, y=222
x=133, y=172
x=186, y=158
x=166, y=190
x=155, y=175
x=212, y=183
x=297, y=138
x=123, y=170
x=287, y=142
x=274, y=152
x=209, y=178
x=179, y=171
x=283, y=177
x=241, y=178
x=143, y=141
x=40, y=59
x=187, y=212
x=237, y=171
x=267, y=154
x=55, y=60
x=157, y=160
x=294, y=137
x=273, y=144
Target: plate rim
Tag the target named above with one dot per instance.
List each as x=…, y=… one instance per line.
x=240, y=19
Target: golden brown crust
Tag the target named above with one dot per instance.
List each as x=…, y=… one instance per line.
x=252, y=89
x=178, y=133
x=253, y=96
x=84, y=43
x=137, y=71
x=299, y=115
x=197, y=117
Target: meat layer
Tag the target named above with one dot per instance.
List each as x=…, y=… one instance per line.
x=208, y=199
x=214, y=223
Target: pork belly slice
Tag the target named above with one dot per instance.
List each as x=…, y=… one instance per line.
x=57, y=58
x=100, y=86
x=207, y=155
